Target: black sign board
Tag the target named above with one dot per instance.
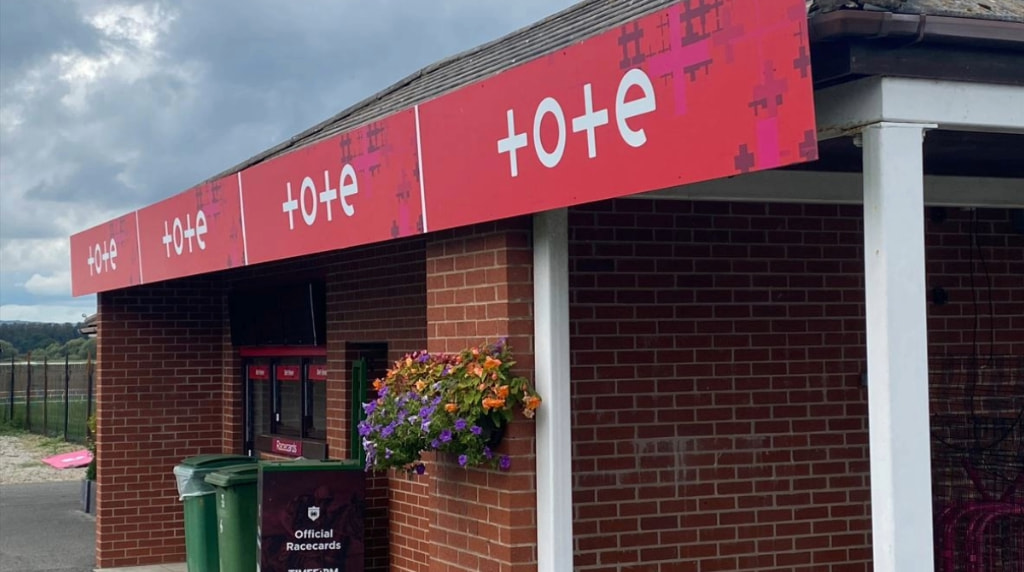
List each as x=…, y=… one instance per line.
x=311, y=516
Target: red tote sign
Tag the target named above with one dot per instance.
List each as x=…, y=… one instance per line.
x=356, y=188
x=194, y=232
x=259, y=373
x=697, y=91
x=317, y=372
x=289, y=373
x=106, y=257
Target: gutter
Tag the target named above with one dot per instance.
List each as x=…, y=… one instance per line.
x=909, y=29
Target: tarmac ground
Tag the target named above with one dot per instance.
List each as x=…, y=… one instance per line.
x=42, y=529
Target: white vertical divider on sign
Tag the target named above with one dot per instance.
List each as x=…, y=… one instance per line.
x=241, y=210
x=138, y=246
x=554, y=417
x=897, y=347
x=419, y=159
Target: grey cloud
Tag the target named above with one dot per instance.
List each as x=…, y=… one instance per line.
x=32, y=30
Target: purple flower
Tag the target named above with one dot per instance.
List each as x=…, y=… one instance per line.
x=424, y=357
x=446, y=370
x=364, y=429
x=370, y=407
x=446, y=435
x=476, y=430
x=460, y=425
x=387, y=453
x=383, y=391
x=499, y=347
x=420, y=469
x=463, y=460
x=388, y=430
x=504, y=463
x=434, y=444
x=487, y=453
x=425, y=426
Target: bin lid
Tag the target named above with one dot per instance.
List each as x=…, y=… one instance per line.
x=215, y=460
x=312, y=465
x=234, y=475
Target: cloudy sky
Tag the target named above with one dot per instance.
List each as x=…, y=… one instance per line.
x=108, y=106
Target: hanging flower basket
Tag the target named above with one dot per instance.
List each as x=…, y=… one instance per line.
x=450, y=403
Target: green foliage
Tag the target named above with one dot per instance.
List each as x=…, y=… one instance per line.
x=7, y=349
x=90, y=443
x=43, y=340
x=54, y=415
x=450, y=403
x=11, y=427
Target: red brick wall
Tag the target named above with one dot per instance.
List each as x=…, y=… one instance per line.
x=719, y=417
x=479, y=288
x=378, y=294
x=159, y=391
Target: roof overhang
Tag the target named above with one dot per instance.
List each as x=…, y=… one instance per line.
x=658, y=96
x=852, y=44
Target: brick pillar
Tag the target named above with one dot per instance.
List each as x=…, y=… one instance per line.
x=159, y=398
x=479, y=289
x=376, y=294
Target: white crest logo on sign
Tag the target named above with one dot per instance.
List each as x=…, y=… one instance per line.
x=313, y=513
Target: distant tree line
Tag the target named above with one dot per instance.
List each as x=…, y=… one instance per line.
x=52, y=341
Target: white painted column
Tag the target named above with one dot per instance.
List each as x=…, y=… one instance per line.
x=554, y=417
x=897, y=347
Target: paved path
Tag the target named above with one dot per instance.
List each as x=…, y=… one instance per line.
x=43, y=530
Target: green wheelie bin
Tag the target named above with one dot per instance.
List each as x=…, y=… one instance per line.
x=201, y=554
x=237, y=513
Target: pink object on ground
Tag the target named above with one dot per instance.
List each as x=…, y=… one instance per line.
x=70, y=460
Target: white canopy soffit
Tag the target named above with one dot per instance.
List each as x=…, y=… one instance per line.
x=846, y=108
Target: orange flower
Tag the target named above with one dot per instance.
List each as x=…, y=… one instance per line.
x=420, y=385
x=408, y=361
x=490, y=403
x=451, y=407
x=377, y=384
x=475, y=352
x=476, y=370
x=502, y=392
x=532, y=402
x=482, y=386
x=491, y=363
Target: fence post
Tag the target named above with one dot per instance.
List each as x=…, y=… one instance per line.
x=28, y=392
x=10, y=395
x=88, y=394
x=67, y=396
x=46, y=396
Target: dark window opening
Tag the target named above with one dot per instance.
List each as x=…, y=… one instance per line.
x=286, y=403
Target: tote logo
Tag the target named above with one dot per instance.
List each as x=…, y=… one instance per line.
x=313, y=513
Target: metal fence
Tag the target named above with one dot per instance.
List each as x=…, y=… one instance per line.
x=54, y=398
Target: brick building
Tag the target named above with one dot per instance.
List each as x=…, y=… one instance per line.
x=703, y=349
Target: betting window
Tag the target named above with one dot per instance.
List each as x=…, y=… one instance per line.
x=286, y=406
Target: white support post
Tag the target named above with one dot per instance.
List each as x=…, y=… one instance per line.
x=897, y=347
x=554, y=417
